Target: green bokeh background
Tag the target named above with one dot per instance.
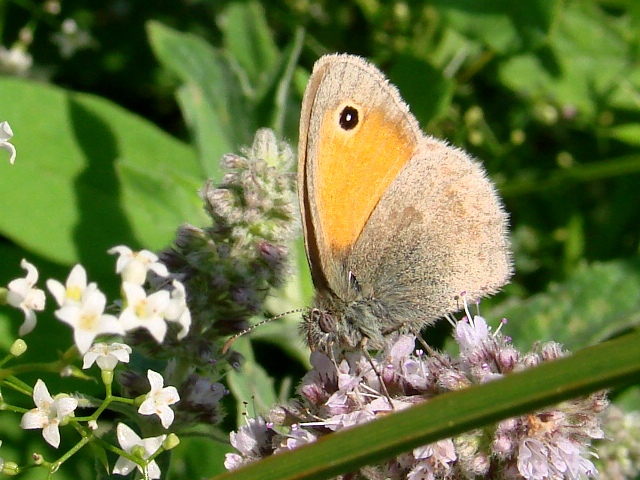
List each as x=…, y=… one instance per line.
x=114, y=142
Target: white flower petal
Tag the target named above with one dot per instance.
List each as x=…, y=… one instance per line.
x=90, y=357
x=58, y=291
x=32, y=272
x=41, y=396
x=134, y=293
x=145, y=312
x=166, y=417
x=129, y=439
x=5, y=135
x=35, y=299
x=133, y=266
x=124, y=466
x=158, y=399
x=5, y=131
x=88, y=320
x=51, y=434
x=29, y=322
x=65, y=405
x=155, y=380
x=159, y=269
x=107, y=356
x=48, y=413
x=77, y=277
x=22, y=294
x=11, y=149
x=34, y=418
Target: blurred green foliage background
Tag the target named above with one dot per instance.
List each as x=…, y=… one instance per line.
x=118, y=122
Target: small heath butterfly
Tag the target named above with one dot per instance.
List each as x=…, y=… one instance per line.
x=398, y=225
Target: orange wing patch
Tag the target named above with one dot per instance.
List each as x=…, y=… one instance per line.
x=354, y=169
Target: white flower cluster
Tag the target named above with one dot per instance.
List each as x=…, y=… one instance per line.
x=83, y=306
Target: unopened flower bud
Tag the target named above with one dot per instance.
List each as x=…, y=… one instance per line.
x=171, y=441
x=107, y=376
x=10, y=468
x=18, y=347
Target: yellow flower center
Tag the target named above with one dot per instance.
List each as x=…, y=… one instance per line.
x=141, y=310
x=87, y=321
x=74, y=293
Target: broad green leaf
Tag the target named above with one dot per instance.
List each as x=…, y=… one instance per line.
x=251, y=385
x=582, y=66
x=212, y=100
x=284, y=115
x=296, y=294
x=249, y=41
x=611, y=364
x=503, y=25
x=71, y=192
x=198, y=458
x=596, y=302
x=423, y=87
x=628, y=133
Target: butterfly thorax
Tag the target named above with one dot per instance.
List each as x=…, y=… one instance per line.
x=350, y=322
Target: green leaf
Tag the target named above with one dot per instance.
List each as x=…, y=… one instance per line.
x=423, y=87
x=628, y=133
x=212, y=100
x=69, y=194
x=286, y=114
x=596, y=302
x=503, y=25
x=582, y=65
x=249, y=41
x=198, y=458
x=100, y=454
x=560, y=178
x=611, y=364
x=251, y=385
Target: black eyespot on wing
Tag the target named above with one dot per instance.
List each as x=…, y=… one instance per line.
x=349, y=118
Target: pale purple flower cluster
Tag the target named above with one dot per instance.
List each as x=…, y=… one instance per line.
x=229, y=266
x=550, y=443
x=619, y=452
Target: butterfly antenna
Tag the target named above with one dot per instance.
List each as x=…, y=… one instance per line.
x=227, y=344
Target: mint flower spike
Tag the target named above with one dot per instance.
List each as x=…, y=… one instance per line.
x=342, y=390
x=251, y=440
x=5, y=135
x=22, y=294
x=49, y=413
x=619, y=450
x=229, y=266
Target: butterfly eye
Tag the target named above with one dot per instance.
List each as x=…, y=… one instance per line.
x=326, y=322
x=349, y=118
